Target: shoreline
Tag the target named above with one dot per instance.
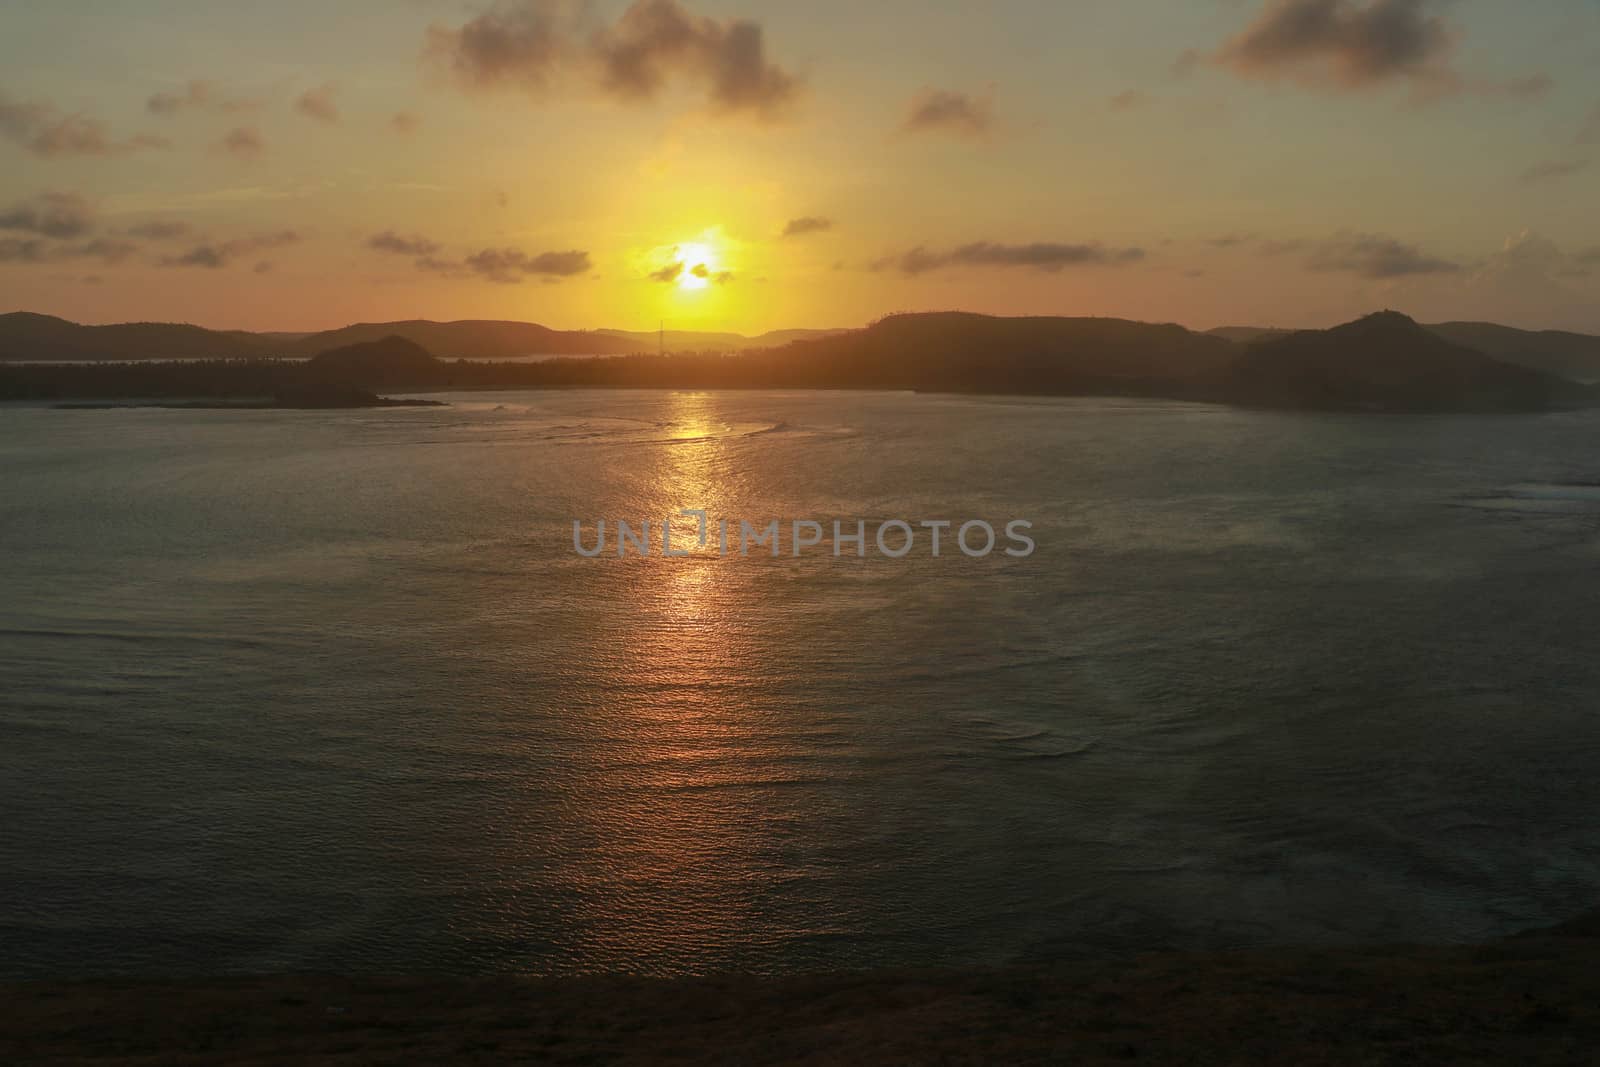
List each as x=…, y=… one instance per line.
x=1533, y=997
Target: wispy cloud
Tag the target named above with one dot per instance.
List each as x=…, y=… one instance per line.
x=1531, y=87
x=1041, y=256
x=242, y=142
x=504, y=265
x=33, y=250
x=399, y=245
x=1589, y=133
x=60, y=226
x=215, y=256
x=510, y=265
x=55, y=214
x=1552, y=170
x=947, y=111
x=807, y=224
x=319, y=103
x=44, y=130
x=1376, y=258
x=197, y=95
x=160, y=230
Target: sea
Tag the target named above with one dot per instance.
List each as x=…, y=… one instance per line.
x=333, y=690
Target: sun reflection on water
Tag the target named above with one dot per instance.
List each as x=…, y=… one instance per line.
x=678, y=803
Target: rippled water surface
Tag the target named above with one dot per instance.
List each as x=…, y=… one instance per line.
x=331, y=690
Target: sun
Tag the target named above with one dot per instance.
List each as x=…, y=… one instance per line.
x=699, y=265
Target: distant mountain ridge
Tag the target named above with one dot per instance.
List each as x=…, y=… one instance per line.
x=1571, y=355
x=966, y=352
x=1382, y=363
x=29, y=337
x=695, y=341
x=468, y=339
x=1388, y=362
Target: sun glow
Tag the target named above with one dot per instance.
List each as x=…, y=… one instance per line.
x=699, y=265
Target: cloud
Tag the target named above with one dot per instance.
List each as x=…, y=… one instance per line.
x=60, y=226
x=17, y=250
x=1128, y=100
x=528, y=44
x=1376, y=258
x=35, y=250
x=217, y=256
x=45, y=131
x=58, y=215
x=108, y=249
x=1524, y=281
x=197, y=95
x=1590, y=133
x=318, y=103
x=1345, y=43
x=656, y=38
x=1041, y=256
x=678, y=268
x=405, y=122
x=160, y=230
x=505, y=265
x=1552, y=170
x=508, y=265
x=807, y=224
x=513, y=44
x=394, y=244
x=243, y=142
x=1186, y=63
x=941, y=110
x=1529, y=88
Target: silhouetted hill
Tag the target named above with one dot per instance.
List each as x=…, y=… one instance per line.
x=1248, y=335
x=469, y=339
x=1572, y=355
x=27, y=336
x=1387, y=362
x=392, y=362
x=959, y=351
x=1384, y=362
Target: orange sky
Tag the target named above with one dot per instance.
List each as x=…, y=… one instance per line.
x=284, y=167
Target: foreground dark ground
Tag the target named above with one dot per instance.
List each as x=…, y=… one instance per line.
x=1531, y=1000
